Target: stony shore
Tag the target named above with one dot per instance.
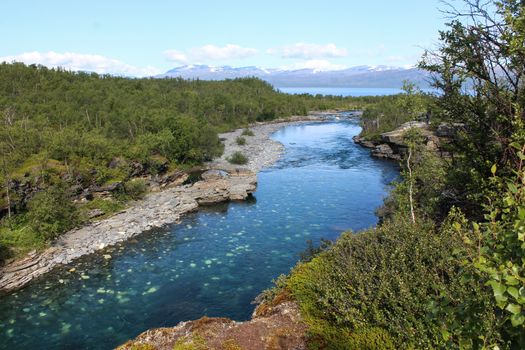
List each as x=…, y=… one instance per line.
x=278, y=326
x=221, y=182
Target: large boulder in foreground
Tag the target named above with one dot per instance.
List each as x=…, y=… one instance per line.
x=278, y=327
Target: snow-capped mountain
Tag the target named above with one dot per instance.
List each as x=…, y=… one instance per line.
x=359, y=76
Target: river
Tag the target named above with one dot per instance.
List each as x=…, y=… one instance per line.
x=216, y=261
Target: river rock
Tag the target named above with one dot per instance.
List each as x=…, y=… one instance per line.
x=363, y=142
x=213, y=175
x=279, y=327
x=385, y=151
x=95, y=213
x=393, y=144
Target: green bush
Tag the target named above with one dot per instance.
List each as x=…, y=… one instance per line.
x=17, y=238
x=238, y=158
x=247, y=132
x=51, y=213
x=135, y=188
x=381, y=284
x=240, y=140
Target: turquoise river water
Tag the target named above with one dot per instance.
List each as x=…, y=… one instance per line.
x=213, y=263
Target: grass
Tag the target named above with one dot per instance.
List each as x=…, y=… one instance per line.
x=247, y=132
x=238, y=158
x=17, y=238
x=108, y=206
x=194, y=342
x=241, y=141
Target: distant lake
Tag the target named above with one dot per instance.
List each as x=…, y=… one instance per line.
x=340, y=91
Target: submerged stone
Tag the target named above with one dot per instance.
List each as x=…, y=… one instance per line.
x=150, y=291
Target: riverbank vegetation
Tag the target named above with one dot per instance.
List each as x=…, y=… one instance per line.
x=446, y=267
x=391, y=111
x=78, y=145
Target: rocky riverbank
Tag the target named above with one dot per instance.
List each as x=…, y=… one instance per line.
x=392, y=144
x=278, y=327
x=220, y=182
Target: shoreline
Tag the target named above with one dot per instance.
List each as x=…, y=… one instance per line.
x=220, y=182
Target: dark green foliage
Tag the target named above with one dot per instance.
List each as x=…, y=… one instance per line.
x=135, y=189
x=487, y=56
x=311, y=250
x=485, y=178
x=51, y=212
x=428, y=184
x=241, y=141
x=339, y=338
x=381, y=283
x=391, y=111
x=238, y=158
x=247, y=132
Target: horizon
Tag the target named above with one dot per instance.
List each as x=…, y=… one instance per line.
x=138, y=40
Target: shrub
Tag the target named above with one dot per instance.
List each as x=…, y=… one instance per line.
x=240, y=140
x=193, y=342
x=238, y=158
x=247, y=132
x=381, y=284
x=51, y=213
x=135, y=188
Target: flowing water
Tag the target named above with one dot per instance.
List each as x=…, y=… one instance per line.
x=213, y=263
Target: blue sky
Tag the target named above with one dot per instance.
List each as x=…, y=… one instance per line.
x=148, y=37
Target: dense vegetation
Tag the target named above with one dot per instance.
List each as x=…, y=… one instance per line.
x=446, y=268
x=391, y=111
x=64, y=132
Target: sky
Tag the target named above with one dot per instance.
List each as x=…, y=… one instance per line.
x=141, y=38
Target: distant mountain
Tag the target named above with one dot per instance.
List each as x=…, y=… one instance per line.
x=359, y=76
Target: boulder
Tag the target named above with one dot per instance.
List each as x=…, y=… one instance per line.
x=280, y=327
x=397, y=136
x=95, y=213
x=363, y=142
x=214, y=174
x=385, y=151
x=112, y=187
x=449, y=130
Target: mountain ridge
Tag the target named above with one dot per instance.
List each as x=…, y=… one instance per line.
x=358, y=76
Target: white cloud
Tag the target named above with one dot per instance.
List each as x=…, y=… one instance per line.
x=309, y=51
x=81, y=62
x=315, y=65
x=209, y=53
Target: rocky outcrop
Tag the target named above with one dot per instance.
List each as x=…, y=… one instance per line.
x=384, y=150
x=364, y=142
x=156, y=210
x=392, y=145
x=279, y=327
